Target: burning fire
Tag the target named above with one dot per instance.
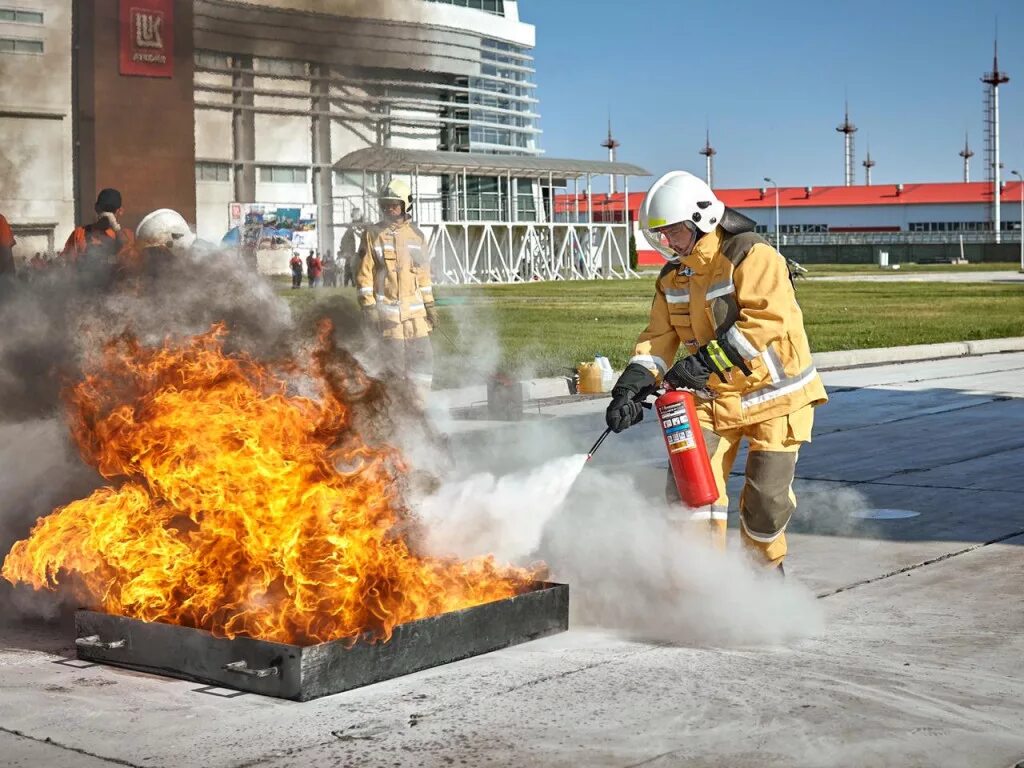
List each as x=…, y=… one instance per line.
x=239, y=506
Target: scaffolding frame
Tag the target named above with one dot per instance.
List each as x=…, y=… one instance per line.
x=539, y=243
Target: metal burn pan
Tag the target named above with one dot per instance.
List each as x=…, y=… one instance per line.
x=302, y=673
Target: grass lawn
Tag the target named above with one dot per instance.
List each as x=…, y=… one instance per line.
x=543, y=329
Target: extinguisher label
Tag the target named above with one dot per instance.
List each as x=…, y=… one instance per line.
x=678, y=433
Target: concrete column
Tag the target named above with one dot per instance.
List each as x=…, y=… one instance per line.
x=323, y=173
x=243, y=130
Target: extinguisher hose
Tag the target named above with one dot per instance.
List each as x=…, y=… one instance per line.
x=705, y=393
x=596, y=445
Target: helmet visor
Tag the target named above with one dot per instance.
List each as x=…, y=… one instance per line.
x=673, y=241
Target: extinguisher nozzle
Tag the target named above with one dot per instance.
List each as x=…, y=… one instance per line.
x=596, y=445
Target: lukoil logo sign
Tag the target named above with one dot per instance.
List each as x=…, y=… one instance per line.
x=147, y=38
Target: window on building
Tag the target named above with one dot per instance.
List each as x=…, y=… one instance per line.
x=283, y=174
x=206, y=171
x=280, y=67
x=17, y=45
x=491, y=6
x=526, y=204
x=21, y=16
x=210, y=60
x=796, y=229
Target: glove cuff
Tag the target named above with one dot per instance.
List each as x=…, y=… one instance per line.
x=719, y=356
x=637, y=381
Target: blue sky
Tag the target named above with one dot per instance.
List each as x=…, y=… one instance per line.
x=770, y=77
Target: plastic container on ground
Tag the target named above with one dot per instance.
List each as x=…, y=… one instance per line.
x=590, y=378
x=607, y=374
x=596, y=377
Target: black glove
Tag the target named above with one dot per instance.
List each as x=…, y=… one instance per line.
x=628, y=394
x=693, y=372
x=432, y=316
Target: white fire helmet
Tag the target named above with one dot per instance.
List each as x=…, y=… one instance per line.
x=397, y=191
x=165, y=228
x=676, y=197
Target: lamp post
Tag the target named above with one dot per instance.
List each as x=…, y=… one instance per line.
x=769, y=181
x=1020, y=227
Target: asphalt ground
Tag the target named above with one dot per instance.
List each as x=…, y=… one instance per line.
x=893, y=641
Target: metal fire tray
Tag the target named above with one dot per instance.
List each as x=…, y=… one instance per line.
x=302, y=673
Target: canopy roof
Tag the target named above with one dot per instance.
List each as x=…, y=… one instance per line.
x=433, y=162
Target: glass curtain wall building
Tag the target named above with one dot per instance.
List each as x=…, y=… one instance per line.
x=276, y=111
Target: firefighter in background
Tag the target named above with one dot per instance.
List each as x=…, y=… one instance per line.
x=7, y=243
x=162, y=235
x=103, y=241
x=348, y=261
x=167, y=230
x=726, y=295
x=395, y=290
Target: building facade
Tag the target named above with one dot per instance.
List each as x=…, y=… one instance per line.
x=198, y=105
x=36, y=138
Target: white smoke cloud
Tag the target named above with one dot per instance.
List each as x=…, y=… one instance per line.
x=627, y=568
x=504, y=516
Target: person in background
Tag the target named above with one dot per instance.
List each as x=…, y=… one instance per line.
x=296, y=267
x=349, y=248
x=105, y=240
x=314, y=269
x=7, y=243
x=330, y=271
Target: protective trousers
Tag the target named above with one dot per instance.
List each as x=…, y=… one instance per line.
x=767, y=501
x=415, y=358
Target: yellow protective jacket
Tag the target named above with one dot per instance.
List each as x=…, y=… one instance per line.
x=394, y=276
x=736, y=287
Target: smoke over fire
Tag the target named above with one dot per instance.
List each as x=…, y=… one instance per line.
x=238, y=505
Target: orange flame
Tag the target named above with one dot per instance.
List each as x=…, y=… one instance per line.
x=242, y=508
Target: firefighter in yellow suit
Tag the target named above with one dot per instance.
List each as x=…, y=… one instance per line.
x=726, y=298
x=395, y=290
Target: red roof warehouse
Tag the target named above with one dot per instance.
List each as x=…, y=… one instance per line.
x=931, y=207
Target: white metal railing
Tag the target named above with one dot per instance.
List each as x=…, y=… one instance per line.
x=893, y=238
x=510, y=252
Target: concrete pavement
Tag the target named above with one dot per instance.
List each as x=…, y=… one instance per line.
x=899, y=276
x=918, y=663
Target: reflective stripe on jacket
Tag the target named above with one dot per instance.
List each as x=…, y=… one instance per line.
x=394, y=276
x=735, y=287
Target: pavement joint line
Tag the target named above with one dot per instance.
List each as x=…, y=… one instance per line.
x=899, y=485
x=973, y=457
x=942, y=411
x=52, y=743
x=922, y=564
x=909, y=470
x=650, y=760
x=929, y=378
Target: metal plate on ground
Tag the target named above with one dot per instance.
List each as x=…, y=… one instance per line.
x=302, y=673
x=884, y=514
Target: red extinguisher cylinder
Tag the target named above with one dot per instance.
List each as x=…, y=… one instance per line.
x=687, y=453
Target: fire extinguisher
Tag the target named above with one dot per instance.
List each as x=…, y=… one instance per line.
x=687, y=453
